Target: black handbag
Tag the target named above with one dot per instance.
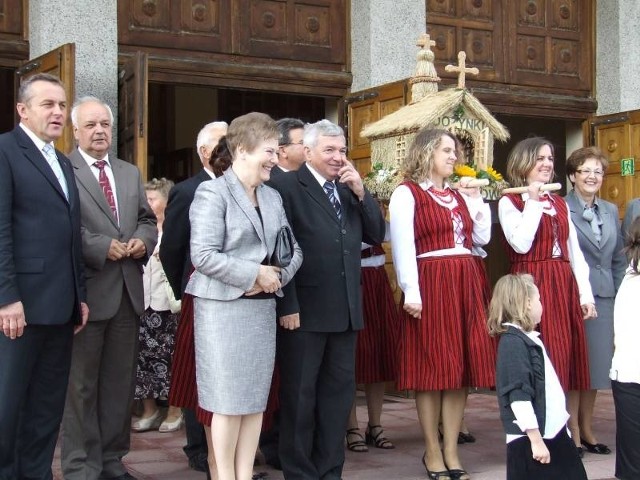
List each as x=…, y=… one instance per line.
x=283, y=252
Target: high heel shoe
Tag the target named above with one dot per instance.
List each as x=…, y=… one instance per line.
x=166, y=427
x=378, y=440
x=149, y=423
x=358, y=445
x=599, y=448
x=441, y=475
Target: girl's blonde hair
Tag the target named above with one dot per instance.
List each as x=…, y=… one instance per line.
x=418, y=163
x=161, y=185
x=510, y=303
x=523, y=158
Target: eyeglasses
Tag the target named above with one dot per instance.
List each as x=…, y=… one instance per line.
x=291, y=143
x=587, y=172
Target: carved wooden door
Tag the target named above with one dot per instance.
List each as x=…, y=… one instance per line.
x=132, y=112
x=550, y=43
x=61, y=63
x=618, y=136
x=368, y=106
x=475, y=26
x=311, y=30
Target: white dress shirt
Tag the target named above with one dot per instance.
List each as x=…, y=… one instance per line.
x=107, y=170
x=520, y=228
x=625, y=365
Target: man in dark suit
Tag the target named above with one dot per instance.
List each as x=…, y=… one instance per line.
x=330, y=213
x=176, y=261
x=290, y=158
x=290, y=147
x=118, y=234
x=42, y=290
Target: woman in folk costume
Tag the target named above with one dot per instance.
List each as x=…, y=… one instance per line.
x=377, y=348
x=445, y=347
x=542, y=241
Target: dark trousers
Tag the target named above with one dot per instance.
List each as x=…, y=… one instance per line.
x=97, y=418
x=626, y=398
x=34, y=372
x=565, y=463
x=316, y=392
x=196, y=439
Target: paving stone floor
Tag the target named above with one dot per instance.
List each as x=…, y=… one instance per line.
x=159, y=456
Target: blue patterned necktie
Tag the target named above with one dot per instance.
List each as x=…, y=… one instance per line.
x=52, y=160
x=330, y=190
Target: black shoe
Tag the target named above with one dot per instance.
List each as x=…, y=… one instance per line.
x=199, y=463
x=465, y=438
x=441, y=475
x=124, y=476
x=599, y=448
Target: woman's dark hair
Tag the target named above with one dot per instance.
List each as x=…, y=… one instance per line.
x=632, y=244
x=220, y=157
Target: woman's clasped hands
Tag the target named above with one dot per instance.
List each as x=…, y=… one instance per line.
x=268, y=280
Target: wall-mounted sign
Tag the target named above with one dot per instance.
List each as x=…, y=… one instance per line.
x=627, y=167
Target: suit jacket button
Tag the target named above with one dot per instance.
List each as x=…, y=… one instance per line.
x=344, y=231
x=342, y=274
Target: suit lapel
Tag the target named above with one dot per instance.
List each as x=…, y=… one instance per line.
x=242, y=199
x=270, y=219
x=605, y=230
x=576, y=215
x=37, y=159
x=88, y=182
x=317, y=193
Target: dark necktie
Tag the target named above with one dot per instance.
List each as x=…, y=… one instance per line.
x=330, y=190
x=103, y=180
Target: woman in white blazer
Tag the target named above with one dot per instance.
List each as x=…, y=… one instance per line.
x=625, y=366
x=598, y=230
x=235, y=220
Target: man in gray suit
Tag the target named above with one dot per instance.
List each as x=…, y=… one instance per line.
x=118, y=233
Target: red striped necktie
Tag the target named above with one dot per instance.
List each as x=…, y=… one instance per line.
x=103, y=180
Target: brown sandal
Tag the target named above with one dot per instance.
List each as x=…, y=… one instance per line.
x=357, y=445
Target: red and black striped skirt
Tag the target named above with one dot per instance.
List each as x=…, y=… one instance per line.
x=183, y=391
x=562, y=326
x=377, y=347
x=449, y=347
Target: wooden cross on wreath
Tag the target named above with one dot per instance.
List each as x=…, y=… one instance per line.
x=425, y=40
x=461, y=69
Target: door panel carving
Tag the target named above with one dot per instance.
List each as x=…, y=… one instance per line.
x=292, y=30
x=200, y=25
x=566, y=15
x=531, y=53
x=553, y=40
x=309, y=30
x=474, y=26
x=477, y=9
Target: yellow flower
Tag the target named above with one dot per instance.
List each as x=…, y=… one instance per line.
x=497, y=176
x=465, y=171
